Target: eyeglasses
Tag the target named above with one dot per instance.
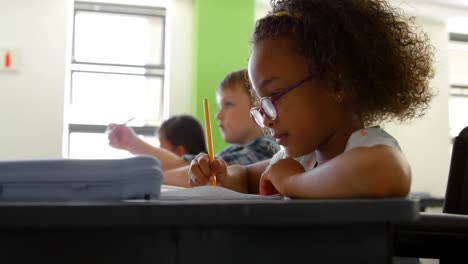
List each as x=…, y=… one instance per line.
x=268, y=104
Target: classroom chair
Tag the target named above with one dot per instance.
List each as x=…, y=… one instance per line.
x=442, y=236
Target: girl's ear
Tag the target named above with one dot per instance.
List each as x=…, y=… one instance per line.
x=180, y=150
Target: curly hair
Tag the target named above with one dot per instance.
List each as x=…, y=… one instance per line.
x=241, y=78
x=384, y=60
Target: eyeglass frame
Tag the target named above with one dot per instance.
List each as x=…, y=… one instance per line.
x=275, y=97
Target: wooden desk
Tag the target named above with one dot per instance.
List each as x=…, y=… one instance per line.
x=267, y=231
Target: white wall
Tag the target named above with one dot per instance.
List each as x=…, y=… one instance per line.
x=180, y=35
x=31, y=100
x=261, y=9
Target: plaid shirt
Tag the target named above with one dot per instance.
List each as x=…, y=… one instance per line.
x=261, y=148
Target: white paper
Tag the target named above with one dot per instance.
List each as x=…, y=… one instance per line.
x=213, y=193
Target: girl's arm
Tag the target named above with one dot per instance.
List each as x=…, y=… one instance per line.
x=364, y=172
x=254, y=171
x=246, y=178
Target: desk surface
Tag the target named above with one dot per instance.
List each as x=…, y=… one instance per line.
x=203, y=231
x=207, y=212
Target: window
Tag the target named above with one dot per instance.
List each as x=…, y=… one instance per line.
x=117, y=73
x=458, y=78
x=458, y=109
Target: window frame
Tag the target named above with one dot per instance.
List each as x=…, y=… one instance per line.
x=148, y=70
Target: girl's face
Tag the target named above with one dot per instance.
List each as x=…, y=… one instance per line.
x=233, y=117
x=307, y=116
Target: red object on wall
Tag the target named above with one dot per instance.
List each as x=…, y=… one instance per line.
x=7, y=60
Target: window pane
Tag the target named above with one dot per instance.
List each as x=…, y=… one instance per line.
x=118, y=38
x=101, y=98
x=458, y=101
x=458, y=109
x=96, y=146
x=457, y=63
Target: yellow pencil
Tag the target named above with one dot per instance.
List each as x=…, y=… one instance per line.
x=209, y=139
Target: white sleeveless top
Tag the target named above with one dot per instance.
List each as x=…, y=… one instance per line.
x=365, y=137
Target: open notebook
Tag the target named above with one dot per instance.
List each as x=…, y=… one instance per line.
x=210, y=193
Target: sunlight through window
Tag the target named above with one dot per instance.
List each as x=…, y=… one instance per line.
x=117, y=72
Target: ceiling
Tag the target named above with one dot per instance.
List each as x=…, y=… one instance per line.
x=437, y=10
x=446, y=3
x=453, y=3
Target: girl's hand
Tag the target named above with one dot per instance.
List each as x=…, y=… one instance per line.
x=276, y=179
x=121, y=136
x=202, y=170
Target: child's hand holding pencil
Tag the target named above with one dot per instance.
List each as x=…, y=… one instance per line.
x=203, y=167
x=121, y=136
x=206, y=169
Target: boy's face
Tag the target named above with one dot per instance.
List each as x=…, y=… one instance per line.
x=306, y=116
x=233, y=117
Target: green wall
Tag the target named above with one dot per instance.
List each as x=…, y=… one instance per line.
x=222, y=32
